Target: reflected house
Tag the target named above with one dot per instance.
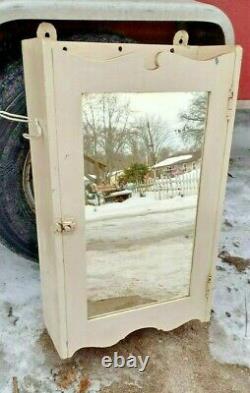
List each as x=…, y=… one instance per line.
x=177, y=165
x=115, y=176
x=93, y=165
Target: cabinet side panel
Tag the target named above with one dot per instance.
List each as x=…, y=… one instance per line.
x=232, y=102
x=46, y=189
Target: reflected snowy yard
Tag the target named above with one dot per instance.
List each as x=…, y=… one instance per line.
x=139, y=251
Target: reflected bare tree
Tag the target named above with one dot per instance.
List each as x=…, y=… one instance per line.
x=117, y=136
x=194, y=121
x=153, y=134
x=106, y=125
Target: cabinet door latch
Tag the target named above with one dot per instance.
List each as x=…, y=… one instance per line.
x=65, y=226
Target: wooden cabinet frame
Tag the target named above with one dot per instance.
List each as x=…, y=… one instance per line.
x=56, y=75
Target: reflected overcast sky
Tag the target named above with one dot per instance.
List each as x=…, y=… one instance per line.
x=166, y=105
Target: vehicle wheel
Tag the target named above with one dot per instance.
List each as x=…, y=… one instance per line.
x=17, y=212
x=17, y=218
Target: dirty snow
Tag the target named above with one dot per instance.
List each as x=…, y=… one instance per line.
x=230, y=326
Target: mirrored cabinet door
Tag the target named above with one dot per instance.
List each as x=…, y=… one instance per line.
x=142, y=165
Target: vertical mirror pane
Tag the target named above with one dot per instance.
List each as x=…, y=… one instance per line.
x=142, y=163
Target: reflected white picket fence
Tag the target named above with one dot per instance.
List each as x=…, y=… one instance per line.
x=169, y=187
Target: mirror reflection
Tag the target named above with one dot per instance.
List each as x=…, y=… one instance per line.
x=142, y=163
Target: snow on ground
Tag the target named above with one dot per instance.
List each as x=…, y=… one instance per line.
x=22, y=352
x=137, y=206
x=230, y=325
x=20, y=318
x=140, y=249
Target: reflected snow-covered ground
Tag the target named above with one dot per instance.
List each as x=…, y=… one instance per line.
x=139, y=251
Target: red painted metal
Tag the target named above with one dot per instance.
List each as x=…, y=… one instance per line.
x=239, y=13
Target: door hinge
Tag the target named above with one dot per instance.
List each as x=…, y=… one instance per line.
x=65, y=226
x=230, y=104
x=209, y=285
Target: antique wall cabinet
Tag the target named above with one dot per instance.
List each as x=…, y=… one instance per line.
x=130, y=146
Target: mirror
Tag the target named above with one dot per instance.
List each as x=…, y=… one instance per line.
x=142, y=164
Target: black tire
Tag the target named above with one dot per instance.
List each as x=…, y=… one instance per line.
x=17, y=219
